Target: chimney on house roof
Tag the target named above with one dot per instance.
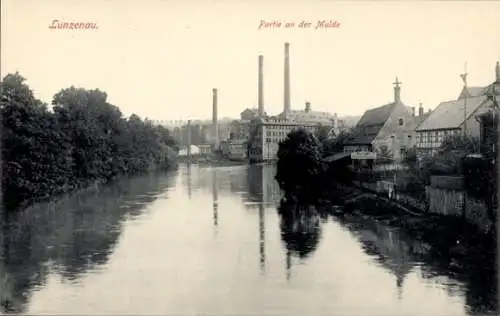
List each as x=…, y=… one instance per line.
x=420, y=110
x=308, y=107
x=413, y=111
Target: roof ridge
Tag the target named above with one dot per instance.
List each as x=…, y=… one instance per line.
x=449, y=114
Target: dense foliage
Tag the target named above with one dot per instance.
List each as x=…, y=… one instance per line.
x=337, y=171
x=448, y=160
x=198, y=134
x=83, y=139
x=299, y=163
x=336, y=144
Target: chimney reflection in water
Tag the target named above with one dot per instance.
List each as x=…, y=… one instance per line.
x=189, y=180
x=215, y=198
x=288, y=264
x=262, y=238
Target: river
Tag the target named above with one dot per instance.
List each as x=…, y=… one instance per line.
x=209, y=241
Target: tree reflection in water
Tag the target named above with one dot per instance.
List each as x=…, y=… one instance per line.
x=300, y=228
x=69, y=238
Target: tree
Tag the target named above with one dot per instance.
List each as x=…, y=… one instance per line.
x=322, y=133
x=451, y=154
x=460, y=145
x=90, y=121
x=34, y=148
x=299, y=163
x=85, y=139
x=335, y=145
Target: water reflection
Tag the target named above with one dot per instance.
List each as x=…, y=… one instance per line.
x=230, y=180
x=215, y=192
x=266, y=256
x=255, y=191
x=400, y=254
x=70, y=238
x=261, y=186
x=189, y=186
x=262, y=238
x=300, y=228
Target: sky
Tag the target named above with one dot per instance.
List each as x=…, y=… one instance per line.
x=161, y=59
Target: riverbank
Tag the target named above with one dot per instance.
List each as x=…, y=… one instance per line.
x=225, y=163
x=214, y=161
x=450, y=236
x=82, y=188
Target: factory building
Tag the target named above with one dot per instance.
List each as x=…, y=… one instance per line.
x=266, y=132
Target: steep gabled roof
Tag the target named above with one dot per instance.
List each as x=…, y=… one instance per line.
x=472, y=92
x=450, y=114
x=376, y=116
x=370, y=124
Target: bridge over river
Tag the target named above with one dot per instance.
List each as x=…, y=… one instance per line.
x=208, y=240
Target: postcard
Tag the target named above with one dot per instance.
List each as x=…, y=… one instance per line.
x=165, y=157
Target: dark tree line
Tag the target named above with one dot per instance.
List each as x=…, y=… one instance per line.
x=81, y=140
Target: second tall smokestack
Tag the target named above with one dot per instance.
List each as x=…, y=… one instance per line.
x=261, y=86
x=215, y=124
x=286, y=98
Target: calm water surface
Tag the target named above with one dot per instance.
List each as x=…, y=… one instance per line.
x=210, y=241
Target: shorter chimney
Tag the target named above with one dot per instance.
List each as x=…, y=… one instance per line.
x=420, y=110
x=413, y=111
x=308, y=107
x=215, y=123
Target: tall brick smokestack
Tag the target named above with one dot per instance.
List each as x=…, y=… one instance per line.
x=261, y=86
x=286, y=98
x=215, y=123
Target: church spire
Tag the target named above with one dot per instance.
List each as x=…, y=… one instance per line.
x=397, y=91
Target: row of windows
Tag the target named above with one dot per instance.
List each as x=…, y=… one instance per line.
x=431, y=139
x=436, y=136
x=428, y=145
x=283, y=132
x=273, y=133
x=275, y=140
